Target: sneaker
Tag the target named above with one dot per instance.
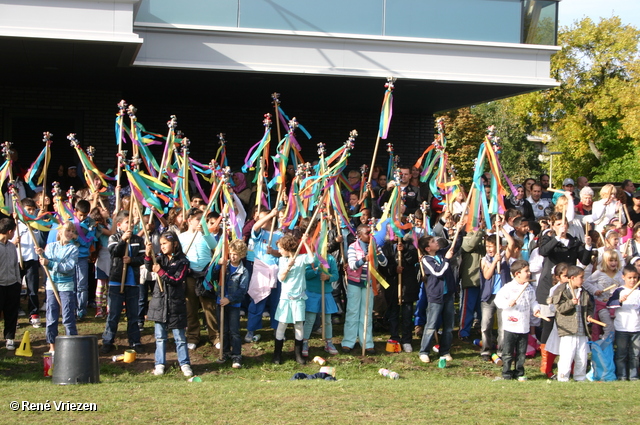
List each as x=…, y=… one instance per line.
x=330, y=348
x=236, y=365
x=141, y=325
x=424, y=358
x=100, y=314
x=305, y=348
x=139, y=349
x=35, y=321
x=217, y=345
x=106, y=348
x=221, y=360
x=448, y=357
x=11, y=345
x=158, y=370
x=186, y=370
x=407, y=348
x=248, y=337
x=191, y=346
x=522, y=379
x=242, y=313
x=266, y=315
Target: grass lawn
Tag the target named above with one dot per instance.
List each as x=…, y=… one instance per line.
x=262, y=393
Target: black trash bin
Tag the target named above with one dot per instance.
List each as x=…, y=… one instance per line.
x=76, y=360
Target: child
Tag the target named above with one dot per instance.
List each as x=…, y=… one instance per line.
x=235, y=285
x=291, y=308
x=315, y=277
x=440, y=286
x=61, y=258
x=357, y=292
x=627, y=326
x=168, y=308
x=126, y=251
x=573, y=305
x=31, y=266
x=10, y=282
x=103, y=262
x=607, y=275
x=516, y=311
x=85, y=240
x=264, y=288
x=551, y=349
x=473, y=250
x=490, y=283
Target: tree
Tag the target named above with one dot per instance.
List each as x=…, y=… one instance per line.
x=593, y=115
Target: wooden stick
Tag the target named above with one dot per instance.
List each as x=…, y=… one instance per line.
x=148, y=238
x=46, y=269
x=368, y=287
x=608, y=288
x=626, y=213
x=524, y=288
x=399, y=276
x=126, y=249
x=597, y=322
x=373, y=164
x=322, y=293
x=122, y=105
x=223, y=275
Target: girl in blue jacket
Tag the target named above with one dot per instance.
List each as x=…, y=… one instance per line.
x=61, y=258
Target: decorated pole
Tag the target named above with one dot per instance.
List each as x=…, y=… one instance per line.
x=276, y=107
x=147, y=238
x=385, y=118
x=46, y=138
x=185, y=175
x=368, y=289
x=166, y=154
x=223, y=275
x=126, y=249
x=7, y=152
x=122, y=106
x=131, y=111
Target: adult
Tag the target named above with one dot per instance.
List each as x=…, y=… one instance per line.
x=585, y=206
x=629, y=188
x=241, y=189
x=527, y=186
x=544, y=184
x=605, y=209
x=567, y=186
x=634, y=212
x=520, y=203
x=581, y=182
x=412, y=198
x=538, y=204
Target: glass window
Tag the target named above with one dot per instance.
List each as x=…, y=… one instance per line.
x=481, y=20
x=326, y=16
x=540, y=22
x=189, y=12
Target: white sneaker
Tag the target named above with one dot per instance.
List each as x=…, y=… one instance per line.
x=236, y=365
x=424, y=358
x=407, y=348
x=448, y=357
x=158, y=370
x=191, y=346
x=186, y=370
x=11, y=346
x=217, y=345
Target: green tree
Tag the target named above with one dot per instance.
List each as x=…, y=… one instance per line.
x=593, y=115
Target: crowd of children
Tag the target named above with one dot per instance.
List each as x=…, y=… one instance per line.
x=557, y=269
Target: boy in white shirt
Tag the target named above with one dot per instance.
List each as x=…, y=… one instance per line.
x=517, y=301
x=627, y=325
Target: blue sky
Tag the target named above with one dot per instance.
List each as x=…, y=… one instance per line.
x=574, y=10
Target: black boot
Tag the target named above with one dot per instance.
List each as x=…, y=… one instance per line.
x=298, y=350
x=277, y=352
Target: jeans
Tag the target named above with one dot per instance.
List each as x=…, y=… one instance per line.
x=68, y=299
x=469, y=304
x=130, y=299
x=179, y=337
x=627, y=352
x=231, y=338
x=254, y=314
x=32, y=272
x=518, y=343
x=489, y=309
x=421, y=307
x=436, y=311
x=143, y=299
x=354, y=318
x=82, y=285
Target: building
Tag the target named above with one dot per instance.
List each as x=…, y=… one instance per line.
x=214, y=64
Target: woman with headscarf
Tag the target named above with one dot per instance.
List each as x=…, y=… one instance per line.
x=520, y=203
x=241, y=188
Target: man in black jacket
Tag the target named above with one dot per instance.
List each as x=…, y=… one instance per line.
x=127, y=255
